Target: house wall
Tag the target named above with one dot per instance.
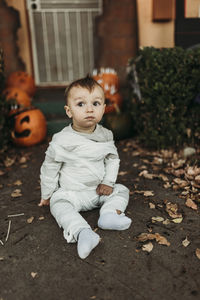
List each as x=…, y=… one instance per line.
x=156, y=34
x=118, y=33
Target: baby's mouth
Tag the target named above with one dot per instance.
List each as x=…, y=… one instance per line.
x=89, y=118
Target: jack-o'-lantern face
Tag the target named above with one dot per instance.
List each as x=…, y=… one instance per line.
x=23, y=81
x=113, y=102
x=30, y=128
x=17, y=99
x=108, y=79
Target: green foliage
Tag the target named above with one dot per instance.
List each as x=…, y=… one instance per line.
x=5, y=122
x=169, y=81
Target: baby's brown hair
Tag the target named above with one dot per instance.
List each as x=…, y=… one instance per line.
x=87, y=82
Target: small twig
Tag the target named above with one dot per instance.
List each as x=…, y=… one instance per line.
x=17, y=215
x=8, y=232
x=1, y=243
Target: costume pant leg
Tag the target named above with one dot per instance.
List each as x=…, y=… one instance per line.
x=118, y=200
x=68, y=218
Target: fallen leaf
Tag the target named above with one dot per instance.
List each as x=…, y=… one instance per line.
x=157, y=219
x=16, y=193
x=152, y=205
x=177, y=220
x=9, y=162
x=163, y=177
x=148, y=193
x=147, y=175
x=147, y=247
x=30, y=220
x=180, y=182
x=185, y=242
x=122, y=173
x=198, y=253
x=2, y=172
x=172, y=209
x=22, y=160
x=17, y=182
x=166, y=222
x=34, y=274
x=151, y=236
x=190, y=203
x=167, y=185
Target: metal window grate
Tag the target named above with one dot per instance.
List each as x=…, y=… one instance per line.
x=62, y=39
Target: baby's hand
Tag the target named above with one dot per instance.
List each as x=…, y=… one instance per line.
x=44, y=202
x=104, y=189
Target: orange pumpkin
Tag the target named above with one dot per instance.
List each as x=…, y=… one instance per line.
x=108, y=79
x=23, y=81
x=113, y=102
x=30, y=128
x=18, y=99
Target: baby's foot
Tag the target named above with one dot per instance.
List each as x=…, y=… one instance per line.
x=87, y=240
x=113, y=221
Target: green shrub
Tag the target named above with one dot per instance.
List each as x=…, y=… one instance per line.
x=166, y=114
x=5, y=122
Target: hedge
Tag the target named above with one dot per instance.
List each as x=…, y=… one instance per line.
x=165, y=96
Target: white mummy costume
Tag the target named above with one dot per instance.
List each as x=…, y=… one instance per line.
x=75, y=164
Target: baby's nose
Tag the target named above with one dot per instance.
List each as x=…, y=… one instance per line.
x=89, y=107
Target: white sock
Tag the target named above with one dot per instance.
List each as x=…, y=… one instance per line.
x=113, y=221
x=87, y=240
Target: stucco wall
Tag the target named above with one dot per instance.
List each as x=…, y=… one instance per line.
x=156, y=34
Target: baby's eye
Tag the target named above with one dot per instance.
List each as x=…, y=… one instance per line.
x=96, y=103
x=80, y=104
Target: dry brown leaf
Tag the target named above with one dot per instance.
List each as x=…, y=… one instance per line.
x=2, y=172
x=122, y=173
x=17, y=182
x=148, y=193
x=166, y=222
x=9, y=162
x=30, y=220
x=185, y=242
x=167, y=185
x=197, y=178
x=151, y=205
x=172, y=210
x=22, y=160
x=147, y=247
x=198, y=253
x=190, y=203
x=135, y=153
x=151, y=236
x=157, y=219
x=178, y=164
x=177, y=220
x=180, y=182
x=157, y=161
x=34, y=274
x=147, y=175
x=16, y=193
x=163, y=177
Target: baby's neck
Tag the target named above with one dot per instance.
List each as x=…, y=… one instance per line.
x=84, y=130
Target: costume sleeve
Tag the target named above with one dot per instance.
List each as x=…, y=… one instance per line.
x=111, y=163
x=111, y=169
x=49, y=174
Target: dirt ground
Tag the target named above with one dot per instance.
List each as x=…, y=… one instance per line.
x=37, y=263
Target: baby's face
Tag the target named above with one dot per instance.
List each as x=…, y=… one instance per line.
x=85, y=108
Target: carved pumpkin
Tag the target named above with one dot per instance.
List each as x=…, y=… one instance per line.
x=23, y=81
x=30, y=128
x=113, y=102
x=108, y=79
x=17, y=98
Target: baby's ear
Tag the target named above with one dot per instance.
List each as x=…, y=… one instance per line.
x=68, y=111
